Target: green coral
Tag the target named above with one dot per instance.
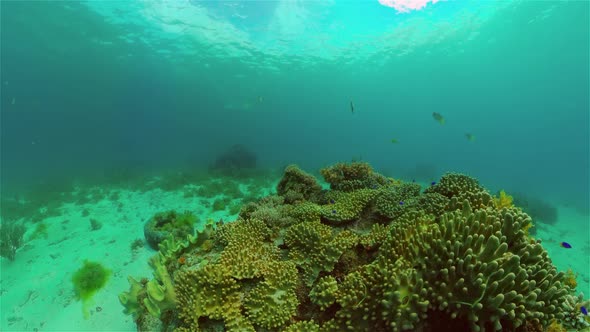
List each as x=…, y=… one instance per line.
x=153, y=296
x=215, y=291
x=88, y=280
x=324, y=292
x=303, y=326
x=353, y=258
x=462, y=187
x=480, y=267
x=210, y=292
x=431, y=203
x=347, y=206
x=352, y=176
x=161, y=295
x=168, y=224
x=393, y=201
x=305, y=211
x=298, y=186
x=272, y=302
x=131, y=300
x=316, y=247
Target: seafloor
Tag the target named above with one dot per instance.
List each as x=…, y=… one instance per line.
x=354, y=251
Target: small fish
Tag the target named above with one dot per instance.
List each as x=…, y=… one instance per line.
x=566, y=245
x=413, y=180
x=401, y=203
x=333, y=211
x=351, y=107
x=332, y=201
x=394, y=141
x=584, y=310
x=438, y=117
x=260, y=99
x=432, y=183
x=13, y=101
x=470, y=137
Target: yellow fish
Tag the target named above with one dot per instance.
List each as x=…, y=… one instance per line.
x=438, y=117
x=470, y=137
x=393, y=140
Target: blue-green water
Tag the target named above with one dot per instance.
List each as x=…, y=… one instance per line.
x=102, y=84
x=92, y=88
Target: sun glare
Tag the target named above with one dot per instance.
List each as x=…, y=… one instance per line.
x=406, y=6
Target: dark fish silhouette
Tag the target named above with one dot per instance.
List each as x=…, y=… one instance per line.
x=351, y=107
x=438, y=117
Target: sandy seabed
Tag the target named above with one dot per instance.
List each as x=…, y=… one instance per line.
x=36, y=290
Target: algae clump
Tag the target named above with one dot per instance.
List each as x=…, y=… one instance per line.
x=88, y=280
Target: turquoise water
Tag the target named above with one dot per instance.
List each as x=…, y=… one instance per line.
x=102, y=92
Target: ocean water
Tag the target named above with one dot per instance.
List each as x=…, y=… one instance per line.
x=112, y=110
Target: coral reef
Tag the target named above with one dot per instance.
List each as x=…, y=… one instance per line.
x=349, y=177
x=298, y=186
x=503, y=200
x=462, y=187
x=166, y=224
x=371, y=254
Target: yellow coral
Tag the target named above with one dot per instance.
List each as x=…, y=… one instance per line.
x=394, y=182
x=555, y=327
x=570, y=278
x=503, y=201
x=526, y=227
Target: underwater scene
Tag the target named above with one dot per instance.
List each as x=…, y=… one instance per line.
x=295, y=166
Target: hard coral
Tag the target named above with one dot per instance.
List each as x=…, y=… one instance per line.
x=353, y=176
x=324, y=292
x=462, y=187
x=448, y=259
x=348, y=206
x=166, y=224
x=316, y=247
x=298, y=186
x=392, y=202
